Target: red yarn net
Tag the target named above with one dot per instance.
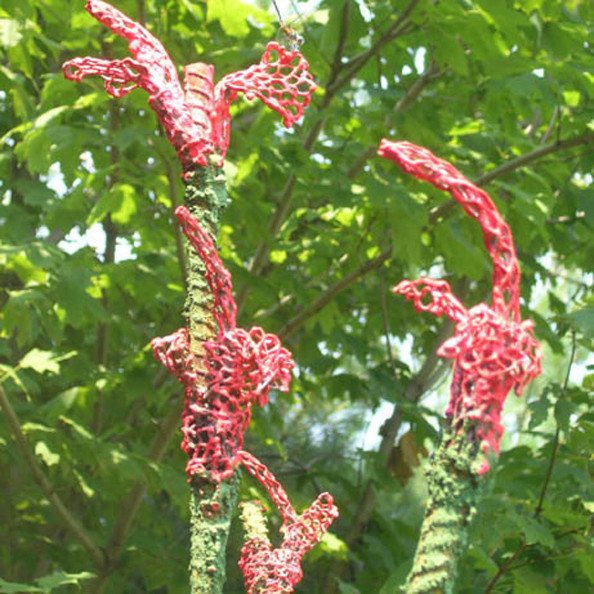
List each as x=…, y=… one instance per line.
x=492, y=349
x=279, y=570
x=196, y=121
x=240, y=367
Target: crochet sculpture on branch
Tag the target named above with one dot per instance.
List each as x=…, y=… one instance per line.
x=196, y=119
x=492, y=348
x=240, y=368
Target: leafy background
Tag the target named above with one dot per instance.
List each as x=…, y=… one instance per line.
x=318, y=231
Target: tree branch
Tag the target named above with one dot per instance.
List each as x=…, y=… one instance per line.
x=436, y=213
x=47, y=487
x=337, y=288
x=395, y=30
x=172, y=177
x=411, y=95
x=538, y=510
x=260, y=258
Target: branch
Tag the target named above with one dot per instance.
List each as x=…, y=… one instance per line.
x=343, y=34
x=411, y=95
x=545, y=485
x=436, y=213
x=431, y=370
x=172, y=178
x=395, y=30
x=505, y=567
x=337, y=288
x=47, y=487
x=260, y=258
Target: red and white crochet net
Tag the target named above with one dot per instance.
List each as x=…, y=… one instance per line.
x=240, y=367
x=278, y=570
x=492, y=349
x=196, y=119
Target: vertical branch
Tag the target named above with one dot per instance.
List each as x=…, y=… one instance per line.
x=211, y=504
x=454, y=490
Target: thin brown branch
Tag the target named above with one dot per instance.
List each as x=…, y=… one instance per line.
x=504, y=568
x=553, y=458
x=69, y=521
x=342, y=37
x=398, y=28
x=430, y=371
x=411, y=95
x=172, y=179
x=260, y=258
x=514, y=164
x=333, y=291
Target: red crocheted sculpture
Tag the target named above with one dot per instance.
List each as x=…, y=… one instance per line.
x=493, y=349
x=277, y=570
x=196, y=119
x=240, y=367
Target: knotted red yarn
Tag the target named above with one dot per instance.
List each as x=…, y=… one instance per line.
x=196, y=119
x=492, y=349
x=268, y=569
x=240, y=367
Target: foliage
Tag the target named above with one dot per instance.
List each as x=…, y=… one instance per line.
x=317, y=232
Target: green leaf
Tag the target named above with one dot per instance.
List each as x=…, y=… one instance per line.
x=40, y=361
x=120, y=201
x=582, y=321
x=61, y=578
x=10, y=33
x=42, y=450
x=12, y=587
x=535, y=532
x=232, y=15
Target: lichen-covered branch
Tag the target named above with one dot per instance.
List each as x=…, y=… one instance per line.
x=492, y=350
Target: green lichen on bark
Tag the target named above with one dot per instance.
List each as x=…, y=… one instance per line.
x=211, y=510
x=454, y=491
x=206, y=197
x=211, y=504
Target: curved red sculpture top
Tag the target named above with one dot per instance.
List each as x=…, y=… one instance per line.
x=268, y=569
x=493, y=350
x=196, y=119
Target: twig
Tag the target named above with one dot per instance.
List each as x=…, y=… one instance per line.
x=552, y=461
x=411, y=95
x=337, y=288
x=129, y=509
x=514, y=164
x=172, y=177
x=396, y=29
x=334, y=84
x=47, y=487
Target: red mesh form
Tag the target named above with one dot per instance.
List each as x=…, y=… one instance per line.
x=197, y=122
x=493, y=350
x=240, y=367
x=278, y=570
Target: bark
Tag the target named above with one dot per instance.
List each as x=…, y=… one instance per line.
x=211, y=504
